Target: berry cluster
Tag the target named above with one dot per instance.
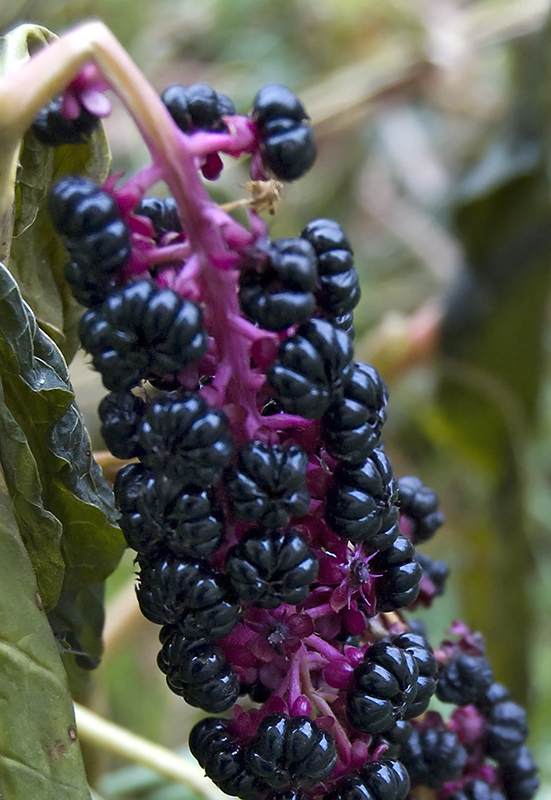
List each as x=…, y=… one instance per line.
x=275, y=547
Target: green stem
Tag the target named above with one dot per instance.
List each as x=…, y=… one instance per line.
x=97, y=731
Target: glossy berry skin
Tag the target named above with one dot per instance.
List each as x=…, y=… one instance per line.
x=197, y=106
x=476, y=790
x=157, y=514
x=519, y=776
x=268, y=484
x=121, y=414
x=223, y=758
x=141, y=330
x=53, y=129
x=339, y=284
x=352, y=427
x=278, y=291
x=291, y=752
x=383, y=687
x=89, y=219
x=420, y=506
x=163, y=214
x=383, y=779
x=312, y=369
x=186, y=438
x=361, y=506
x=464, y=679
x=400, y=580
x=432, y=757
x=419, y=648
x=198, y=671
x=268, y=568
x=434, y=572
x=287, y=143
x=506, y=731
x=189, y=594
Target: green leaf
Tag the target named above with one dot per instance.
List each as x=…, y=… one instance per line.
x=63, y=506
x=37, y=258
x=39, y=755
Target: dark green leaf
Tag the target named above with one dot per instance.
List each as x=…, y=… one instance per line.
x=51, y=475
x=39, y=754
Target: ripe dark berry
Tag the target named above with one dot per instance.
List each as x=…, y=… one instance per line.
x=419, y=648
x=268, y=568
x=89, y=219
x=158, y=514
x=89, y=289
x=361, y=506
x=287, y=143
x=476, y=790
x=163, y=213
x=268, y=484
x=312, y=369
x=383, y=686
x=121, y=414
x=435, y=575
x=519, y=776
x=197, y=106
x=400, y=579
x=53, y=129
x=384, y=779
x=339, y=283
x=464, y=679
x=142, y=330
x=277, y=292
x=186, y=438
x=172, y=589
x=506, y=730
x=198, y=671
x=352, y=427
x=432, y=757
x=420, y=505
x=291, y=752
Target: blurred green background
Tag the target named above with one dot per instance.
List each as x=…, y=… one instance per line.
x=432, y=119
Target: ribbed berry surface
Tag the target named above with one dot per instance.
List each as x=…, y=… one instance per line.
x=198, y=106
x=268, y=484
x=186, y=438
x=400, y=575
x=142, y=330
x=53, y=129
x=223, y=758
x=278, y=291
x=476, y=790
x=189, y=594
x=432, y=757
x=312, y=369
x=198, y=671
x=163, y=214
x=339, y=283
x=287, y=143
x=159, y=515
x=383, y=779
x=352, y=427
x=121, y=414
x=291, y=752
x=268, y=568
x=464, y=679
x=520, y=776
x=361, y=504
x=383, y=687
x=420, y=505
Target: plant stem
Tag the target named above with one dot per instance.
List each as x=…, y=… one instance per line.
x=101, y=733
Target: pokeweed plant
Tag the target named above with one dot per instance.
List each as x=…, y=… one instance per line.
x=274, y=546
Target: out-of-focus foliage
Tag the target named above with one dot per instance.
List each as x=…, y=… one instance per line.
x=409, y=98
